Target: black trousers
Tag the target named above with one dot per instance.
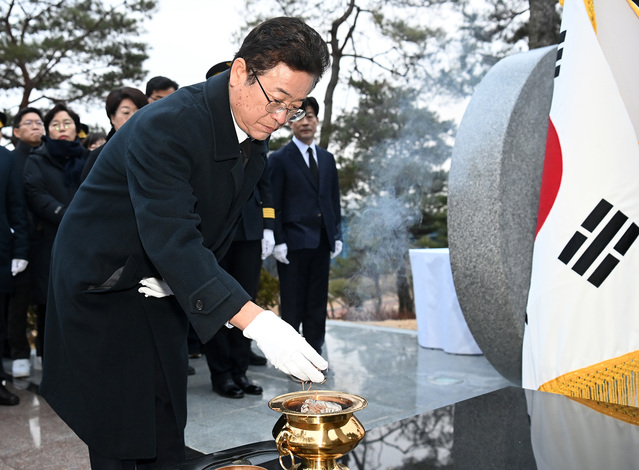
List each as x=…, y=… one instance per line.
x=170, y=436
x=17, y=322
x=304, y=291
x=228, y=352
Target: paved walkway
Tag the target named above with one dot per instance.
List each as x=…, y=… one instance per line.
x=386, y=366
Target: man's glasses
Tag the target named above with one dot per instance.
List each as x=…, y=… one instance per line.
x=277, y=107
x=57, y=125
x=30, y=123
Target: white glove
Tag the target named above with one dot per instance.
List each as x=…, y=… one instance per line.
x=154, y=287
x=285, y=348
x=338, y=249
x=279, y=253
x=18, y=265
x=268, y=242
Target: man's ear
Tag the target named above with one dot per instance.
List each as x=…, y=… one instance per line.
x=239, y=72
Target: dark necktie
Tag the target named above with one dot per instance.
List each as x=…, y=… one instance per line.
x=245, y=147
x=313, y=165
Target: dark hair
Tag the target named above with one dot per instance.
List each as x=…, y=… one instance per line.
x=18, y=117
x=55, y=110
x=285, y=40
x=92, y=138
x=312, y=102
x=160, y=83
x=114, y=99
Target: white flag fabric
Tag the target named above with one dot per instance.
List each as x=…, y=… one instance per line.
x=582, y=331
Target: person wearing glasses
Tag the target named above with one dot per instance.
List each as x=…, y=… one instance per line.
x=136, y=256
x=28, y=129
x=51, y=179
x=308, y=227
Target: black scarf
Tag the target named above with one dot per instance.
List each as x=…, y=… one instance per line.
x=71, y=153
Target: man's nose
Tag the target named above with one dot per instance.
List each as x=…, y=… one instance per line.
x=280, y=118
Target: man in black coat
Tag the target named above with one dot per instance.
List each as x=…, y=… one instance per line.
x=308, y=225
x=136, y=256
x=28, y=129
x=14, y=250
x=228, y=352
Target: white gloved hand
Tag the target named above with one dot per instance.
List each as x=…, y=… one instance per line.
x=18, y=265
x=268, y=243
x=279, y=253
x=285, y=348
x=154, y=287
x=338, y=249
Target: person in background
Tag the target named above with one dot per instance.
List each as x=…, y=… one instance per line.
x=228, y=353
x=28, y=129
x=308, y=225
x=94, y=140
x=159, y=87
x=121, y=104
x=14, y=250
x=51, y=179
x=137, y=254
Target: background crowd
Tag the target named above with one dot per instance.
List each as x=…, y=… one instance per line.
x=52, y=154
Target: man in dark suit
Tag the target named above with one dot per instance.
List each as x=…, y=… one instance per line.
x=308, y=227
x=228, y=353
x=136, y=255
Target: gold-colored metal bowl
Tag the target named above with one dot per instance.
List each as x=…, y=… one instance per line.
x=318, y=439
x=241, y=467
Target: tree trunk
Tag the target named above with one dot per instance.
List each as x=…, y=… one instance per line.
x=406, y=304
x=543, y=26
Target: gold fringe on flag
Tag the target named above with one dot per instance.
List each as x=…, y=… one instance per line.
x=612, y=381
x=590, y=8
x=629, y=414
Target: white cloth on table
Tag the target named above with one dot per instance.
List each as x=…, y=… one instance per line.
x=440, y=322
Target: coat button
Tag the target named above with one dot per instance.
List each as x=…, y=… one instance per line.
x=199, y=304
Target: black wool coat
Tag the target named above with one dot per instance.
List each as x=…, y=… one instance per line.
x=14, y=225
x=162, y=200
x=48, y=196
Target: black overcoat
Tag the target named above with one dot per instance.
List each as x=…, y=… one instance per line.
x=14, y=225
x=162, y=200
x=48, y=196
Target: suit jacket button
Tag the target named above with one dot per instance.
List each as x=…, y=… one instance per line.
x=199, y=305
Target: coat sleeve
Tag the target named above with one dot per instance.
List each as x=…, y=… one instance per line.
x=266, y=196
x=277, y=181
x=160, y=165
x=335, y=198
x=18, y=218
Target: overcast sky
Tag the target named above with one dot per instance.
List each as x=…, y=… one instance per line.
x=185, y=39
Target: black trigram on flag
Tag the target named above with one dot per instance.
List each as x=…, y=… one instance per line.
x=600, y=243
x=560, y=52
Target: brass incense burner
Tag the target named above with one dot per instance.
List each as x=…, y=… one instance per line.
x=317, y=438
